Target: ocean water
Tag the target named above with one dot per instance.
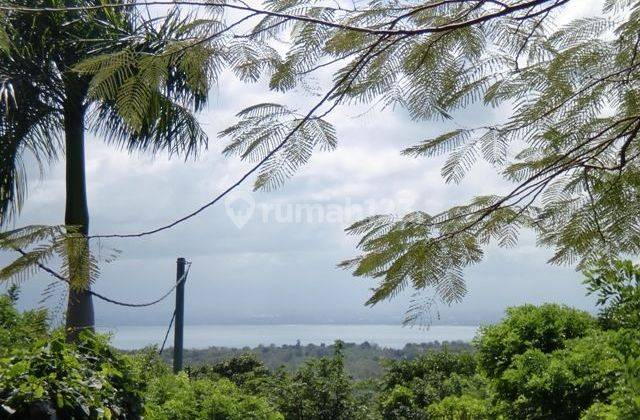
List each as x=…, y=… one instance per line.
x=203, y=336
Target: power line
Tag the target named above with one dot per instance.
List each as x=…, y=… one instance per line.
x=104, y=298
x=507, y=9
x=143, y=305
x=173, y=317
x=182, y=279
x=356, y=69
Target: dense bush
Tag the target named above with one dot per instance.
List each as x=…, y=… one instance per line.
x=464, y=407
x=564, y=383
x=545, y=328
x=319, y=390
x=625, y=401
x=178, y=397
x=19, y=329
x=411, y=386
x=616, y=284
x=240, y=370
x=41, y=375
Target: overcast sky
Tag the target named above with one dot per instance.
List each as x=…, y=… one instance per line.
x=271, y=257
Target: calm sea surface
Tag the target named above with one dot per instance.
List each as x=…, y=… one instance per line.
x=203, y=336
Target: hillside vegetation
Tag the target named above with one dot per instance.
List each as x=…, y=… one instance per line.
x=361, y=361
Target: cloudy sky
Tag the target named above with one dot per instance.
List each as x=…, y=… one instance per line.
x=271, y=257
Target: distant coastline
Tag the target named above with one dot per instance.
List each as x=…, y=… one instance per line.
x=255, y=335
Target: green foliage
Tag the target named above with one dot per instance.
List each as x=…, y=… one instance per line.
x=411, y=387
x=546, y=362
x=544, y=328
x=147, y=365
x=178, y=397
x=463, y=407
x=399, y=403
x=616, y=284
x=19, y=329
x=625, y=401
x=246, y=371
x=146, y=92
x=41, y=374
x=564, y=383
x=264, y=127
x=320, y=389
x=361, y=361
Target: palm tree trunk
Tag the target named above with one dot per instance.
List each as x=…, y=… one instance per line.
x=80, y=304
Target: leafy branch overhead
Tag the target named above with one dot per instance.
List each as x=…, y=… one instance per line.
x=567, y=143
x=261, y=128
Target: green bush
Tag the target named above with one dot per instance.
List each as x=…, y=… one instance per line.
x=464, y=407
x=624, y=404
x=177, y=397
x=83, y=380
x=623, y=407
x=399, y=402
x=617, y=286
x=545, y=328
x=566, y=382
x=42, y=375
x=19, y=329
x=411, y=386
x=245, y=371
x=319, y=390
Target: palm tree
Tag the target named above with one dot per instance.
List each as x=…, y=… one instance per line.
x=50, y=100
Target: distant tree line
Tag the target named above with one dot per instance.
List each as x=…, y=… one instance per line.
x=362, y=361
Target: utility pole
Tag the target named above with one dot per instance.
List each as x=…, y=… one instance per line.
x=179, y=328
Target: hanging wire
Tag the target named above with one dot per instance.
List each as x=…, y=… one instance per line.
x=107, y=299
x=143, y=305
x=173, y=317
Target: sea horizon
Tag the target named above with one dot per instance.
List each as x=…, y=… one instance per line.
x=200, y=336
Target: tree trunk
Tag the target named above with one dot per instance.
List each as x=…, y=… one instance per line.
x=80, y=304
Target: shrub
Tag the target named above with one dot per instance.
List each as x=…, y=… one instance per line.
x=320, y=389
x=625, y=402
x=564, y=383
x=464, y=407
x=83, y=380
x=177, y=397
x=147, y=364
x=244, y=370
x=42, y=375
x=617, y=286
x=411, y=386
x=545, y=328
x=19, y=329
x=399, y=402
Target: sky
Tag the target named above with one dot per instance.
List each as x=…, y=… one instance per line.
x=270, y=257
